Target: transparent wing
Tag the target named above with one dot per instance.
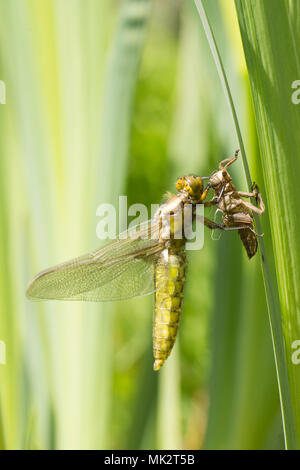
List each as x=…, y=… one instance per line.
x=120, y=270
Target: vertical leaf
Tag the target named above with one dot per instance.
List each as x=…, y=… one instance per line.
x=270, y=289
x=270, y=40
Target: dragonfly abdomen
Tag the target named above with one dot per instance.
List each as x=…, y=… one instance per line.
x=249, y=241
x=169, y=284
x=247, y=236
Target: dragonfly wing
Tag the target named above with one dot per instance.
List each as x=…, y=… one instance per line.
x=135, y=278
x=121, y=270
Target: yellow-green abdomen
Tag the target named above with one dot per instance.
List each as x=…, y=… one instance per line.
x=169, y=283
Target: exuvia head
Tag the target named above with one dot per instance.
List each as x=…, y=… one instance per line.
x=219, y=178
x=192, y=186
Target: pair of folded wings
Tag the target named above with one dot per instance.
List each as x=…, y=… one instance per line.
x=120, y=270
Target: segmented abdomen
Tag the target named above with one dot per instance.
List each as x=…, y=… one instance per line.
x=169, y=283
x=249, y=241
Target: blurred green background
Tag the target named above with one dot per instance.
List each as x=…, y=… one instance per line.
x=108, y=98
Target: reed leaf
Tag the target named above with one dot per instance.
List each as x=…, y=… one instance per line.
x=57, y=168
x=269, y=33
x=270, y=289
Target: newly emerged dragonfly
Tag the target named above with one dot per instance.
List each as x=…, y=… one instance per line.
x=236, y=212
x=148, y=258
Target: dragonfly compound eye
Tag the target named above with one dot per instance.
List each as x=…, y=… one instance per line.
x=192, y=185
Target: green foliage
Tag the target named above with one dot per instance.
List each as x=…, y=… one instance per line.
x=109, y=98
x=270, y=35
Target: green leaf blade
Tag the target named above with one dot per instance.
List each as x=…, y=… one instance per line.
x=269, y=44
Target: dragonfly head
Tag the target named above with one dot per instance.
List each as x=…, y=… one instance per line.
x=192, y=186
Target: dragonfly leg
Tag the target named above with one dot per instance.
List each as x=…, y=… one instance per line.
x=258, y=210
x=248, y=227
x=213, y=226
x=215, y=200
x=255, y=193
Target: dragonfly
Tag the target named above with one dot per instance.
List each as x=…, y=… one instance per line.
x=147, y=258
x=236, y=211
